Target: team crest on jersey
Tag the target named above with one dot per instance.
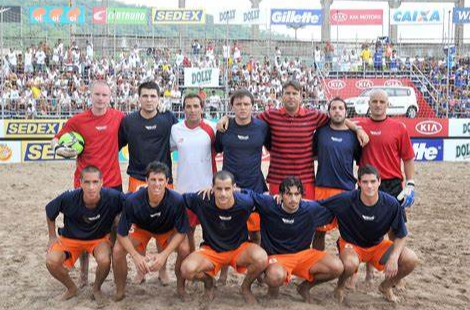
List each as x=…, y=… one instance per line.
x=101, y=128
x=288, y=221
x=368, y=218
x=225, y=218
x=151, y=127
x=155, y=214
x=334, y=139
x=376, y=133
x=240, y=137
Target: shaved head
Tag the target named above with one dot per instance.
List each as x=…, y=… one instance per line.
x=378, y=103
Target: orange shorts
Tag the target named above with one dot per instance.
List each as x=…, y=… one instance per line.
x=324, y=193
x=309, y=190
x=368, y=255
x=136, y=184
x=144, y=236
x=74, y=247
x=221, y=259
x=298, y=264
x=253, y=222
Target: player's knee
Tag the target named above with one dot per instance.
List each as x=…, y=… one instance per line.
x=53, y=261
x=275, y=277
x=103, y=260
x=260, y=258
x=350, y=266
x=184, y=249
x=410, y=261
x=118, y=251
x=336, y=267
x=188, y=269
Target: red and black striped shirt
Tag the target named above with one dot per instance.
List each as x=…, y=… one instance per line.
x=292, y=143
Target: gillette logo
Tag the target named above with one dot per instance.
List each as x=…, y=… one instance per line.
x=299, y=17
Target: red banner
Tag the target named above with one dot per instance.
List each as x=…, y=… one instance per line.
x=356, y=17
x=99, y=15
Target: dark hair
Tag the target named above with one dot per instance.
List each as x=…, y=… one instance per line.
x=337, y=99
x=191, y=96
x=293, y=83
x=148, y=85
x=368, y=169
x=89, y=169
x=240, y=93
x=289, y=182
x=157, y=167
x=223, y=175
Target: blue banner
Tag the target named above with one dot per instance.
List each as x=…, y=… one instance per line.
x=428, y=149
x=61, y=15
x=461, y=16
x=296, y=17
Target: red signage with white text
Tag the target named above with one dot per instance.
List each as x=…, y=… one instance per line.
x=424, y=127
x=356, y=17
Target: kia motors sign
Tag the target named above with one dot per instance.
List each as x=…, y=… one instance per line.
x=296, y=17
x=336, y=84
x=364, y=84
x=426, y=128
x=120, y=15
x=415, y=17
x=356, y=17
x=393, y=82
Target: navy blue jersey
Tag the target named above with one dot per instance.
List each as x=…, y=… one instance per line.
x=82, y=223
x=222, y=230
x=336, y=151
x=243, y=147
x=169, y=214
x=288, y=233
x=148, y=140
x=363, y=225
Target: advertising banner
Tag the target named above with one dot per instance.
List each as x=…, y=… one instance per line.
x=296, y=17
x=196, y=77
x=10, y=152
x=457, y=150
x=459, y=127
x=415, y=17
x=241, y=17
x=428, y=149
x=120, y=15
x=10, y=14
x=61, y=15
x=178, y=16
x=38, y=151
x=426, y=128
x=31, y=128
x=356, y=17
x=461, y=16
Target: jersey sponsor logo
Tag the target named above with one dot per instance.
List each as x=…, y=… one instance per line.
x=368, y=218
x=155, y=214
x=376, y=133
x=363, y=84
x=225, y=218
x=240, y=137
x=101, y=128
x=92, y=219
x=428, y=150
x=334, y=139
x=336, y=84
x=428, y=127
x=151, y=127
x=288, y=221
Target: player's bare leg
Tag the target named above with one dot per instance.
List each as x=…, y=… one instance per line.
x=182, y=252
x=350, y=262
x=102, y=253
x=54, y=262
x=318, y=242
x=193, y=268
x=255, y=259
x=223, y=276
x=275, y=277
x=162, y=272
x=120, y=269
x=84, y=263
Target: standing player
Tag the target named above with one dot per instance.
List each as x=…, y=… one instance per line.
x=152, y=212
x=364, y=217
x=336, y=148
x=194, y=140
x=223, y=221
x=89, y=213
x=287, y=230
x=99, y=128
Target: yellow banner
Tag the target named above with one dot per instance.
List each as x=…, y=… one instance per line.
x=46, y=128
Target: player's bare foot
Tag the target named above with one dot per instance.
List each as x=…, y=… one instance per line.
x=388, y=293
x=370, y=277
x=183, y=295
x=352, y=281
x=400, y=286
x=139, y=278
x=339, y=295
x=222, y=281
x=70, y=293
x=163, y=277
x=98, y=296
x=304, y=290
x=248, y=295
x=273, y=292
x=209, y=289
x=119, y=296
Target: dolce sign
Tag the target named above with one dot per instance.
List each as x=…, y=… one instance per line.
x=195, y=77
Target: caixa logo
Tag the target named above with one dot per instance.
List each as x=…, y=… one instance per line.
x=339, y=17
x=336, y=84
x=428, y=128
x=363, y=84
x=393, y=83
x=428, y=150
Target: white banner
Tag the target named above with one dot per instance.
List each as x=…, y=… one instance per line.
x=197, y=77
x=2, y=129
x=457, y=150
x=10, y=152
x=415, y=16
x=241, y=17
x=459, y=127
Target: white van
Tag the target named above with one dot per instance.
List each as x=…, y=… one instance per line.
x=402, y=101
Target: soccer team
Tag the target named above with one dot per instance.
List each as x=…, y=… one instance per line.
x=270, y=238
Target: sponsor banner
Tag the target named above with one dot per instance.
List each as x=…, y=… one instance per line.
x=32, y=128
x=178, y=16
x=459, y=127
x=426, y=128
x=57, y=15
x=347, y=88
x=241, y=17
x=196, y=77
x=10, y=152
x=38, y=151
x=10, y=14
x=296, y=17
x=356, y=17
x=415, y=17
x=119, y=15
x=428, y=149
x=457, y=150
x=2, y=127
x=461, y=16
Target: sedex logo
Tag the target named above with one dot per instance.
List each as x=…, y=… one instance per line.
x=336, y=84
x=428, y=150
x=428, y=128
x=363, y=84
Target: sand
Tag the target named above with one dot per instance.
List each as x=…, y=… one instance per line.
x=438, y=224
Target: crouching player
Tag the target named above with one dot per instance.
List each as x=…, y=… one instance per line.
x=364, y=217
x=89, y=212
x=152, y=212
x=287, y=230
x=223, y=220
